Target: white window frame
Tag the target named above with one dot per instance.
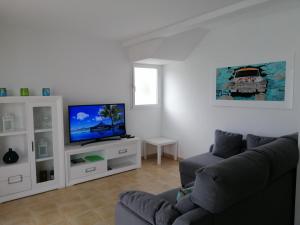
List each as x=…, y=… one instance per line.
x=159, y=86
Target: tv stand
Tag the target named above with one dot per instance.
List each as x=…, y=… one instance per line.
x=101, y=140
x=117, y=157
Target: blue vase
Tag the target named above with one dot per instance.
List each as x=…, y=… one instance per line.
x=3, y=92
x=46, y=91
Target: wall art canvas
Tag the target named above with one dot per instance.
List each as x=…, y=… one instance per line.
x=256, y=82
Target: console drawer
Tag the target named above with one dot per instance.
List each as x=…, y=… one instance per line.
x=88, y=169
x=13, y=170
x=14, y=184
x=120, y=151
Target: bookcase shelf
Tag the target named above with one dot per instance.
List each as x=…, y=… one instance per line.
x=13, y=133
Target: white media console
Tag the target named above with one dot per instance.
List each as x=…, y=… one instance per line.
x=117, y=156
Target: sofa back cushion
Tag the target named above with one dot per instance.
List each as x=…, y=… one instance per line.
x=219, y=186
x=227, y=144
x=282, y=154
x=254, y=141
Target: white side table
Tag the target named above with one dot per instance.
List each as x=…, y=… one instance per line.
x=160, y=142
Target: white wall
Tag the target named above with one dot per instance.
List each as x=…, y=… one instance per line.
x=188, y=114
x=83, y=70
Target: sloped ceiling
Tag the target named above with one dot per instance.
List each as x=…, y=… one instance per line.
x=112, y=19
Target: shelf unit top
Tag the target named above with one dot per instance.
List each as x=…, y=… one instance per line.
x=23, y=99
x=95, y=146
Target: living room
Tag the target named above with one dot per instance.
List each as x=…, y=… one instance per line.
x=87, y=52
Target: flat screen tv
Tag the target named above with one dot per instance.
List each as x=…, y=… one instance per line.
x=96, y=122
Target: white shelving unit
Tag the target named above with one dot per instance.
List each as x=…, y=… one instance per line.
x=117, y=157
x=40, y=166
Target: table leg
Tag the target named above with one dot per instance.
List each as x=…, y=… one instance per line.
x=176, y=151
x=158, y=154
x=145, y=150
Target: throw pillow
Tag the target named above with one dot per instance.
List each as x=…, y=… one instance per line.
x=183, y=192
x=227, y=144
x=254, y=141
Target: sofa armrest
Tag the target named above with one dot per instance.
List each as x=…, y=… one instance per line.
x=151, y=208
x=196, y=216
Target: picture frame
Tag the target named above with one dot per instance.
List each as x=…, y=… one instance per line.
x=42, y=149
x=286, y=104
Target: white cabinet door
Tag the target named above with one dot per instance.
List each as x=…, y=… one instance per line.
x=44, y=144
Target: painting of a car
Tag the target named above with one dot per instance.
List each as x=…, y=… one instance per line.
x=252, y=82
x=247, y=81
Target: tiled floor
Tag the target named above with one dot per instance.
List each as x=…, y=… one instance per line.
x=90, y=203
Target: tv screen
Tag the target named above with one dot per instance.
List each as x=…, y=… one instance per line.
x=88, y=122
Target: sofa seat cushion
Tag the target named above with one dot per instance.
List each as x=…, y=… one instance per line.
x=151, y=208
x=188, y=167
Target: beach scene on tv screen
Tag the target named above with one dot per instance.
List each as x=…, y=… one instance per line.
x=96, y=121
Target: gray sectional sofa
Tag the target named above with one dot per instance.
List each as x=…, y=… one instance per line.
x=189, y=166
x=256, y=186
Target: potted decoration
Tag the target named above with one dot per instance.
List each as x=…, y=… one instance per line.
x=10, y=157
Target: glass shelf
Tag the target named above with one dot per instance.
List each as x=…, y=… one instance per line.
x=44, y=159
x=13, y=133
x=43, y=130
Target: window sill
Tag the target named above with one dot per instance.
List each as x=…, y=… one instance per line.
x=146, y=107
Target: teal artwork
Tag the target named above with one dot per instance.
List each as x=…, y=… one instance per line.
x=256, y=82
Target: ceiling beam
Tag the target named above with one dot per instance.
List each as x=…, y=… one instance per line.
x=192, y=23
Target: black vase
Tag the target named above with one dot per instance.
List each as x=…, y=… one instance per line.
x=10, y=157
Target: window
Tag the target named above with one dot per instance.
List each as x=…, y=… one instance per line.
x=145, y=86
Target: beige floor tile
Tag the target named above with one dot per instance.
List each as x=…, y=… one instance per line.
x=88, y=218
x=90, y=203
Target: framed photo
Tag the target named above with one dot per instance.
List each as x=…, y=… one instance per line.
x=266, y=83
x=42, y=149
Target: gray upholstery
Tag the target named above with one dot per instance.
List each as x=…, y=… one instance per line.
x=219, y=186
x=197, y=216
x=282, y=155
x=169, y=195
x=227, y=144
x=254, y=187
x=125, y=216
x=151, y=208
x=143, y=204
x=255, y=141
x=188, y=167
x=166, y=214
x=185, y=204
